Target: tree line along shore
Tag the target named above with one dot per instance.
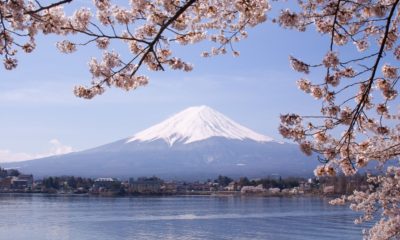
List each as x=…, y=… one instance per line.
x=13, y=181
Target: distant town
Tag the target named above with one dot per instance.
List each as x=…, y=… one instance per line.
x=13, y=181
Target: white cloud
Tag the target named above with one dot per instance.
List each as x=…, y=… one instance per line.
x=57, y=148
x=8, y=156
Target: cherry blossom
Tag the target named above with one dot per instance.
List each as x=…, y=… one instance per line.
x=148, y=28
x=358, y=98
x=359, y=116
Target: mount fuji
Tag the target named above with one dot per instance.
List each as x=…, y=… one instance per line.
x=196, y=143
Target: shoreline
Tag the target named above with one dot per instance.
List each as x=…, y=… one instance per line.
x=235, y=195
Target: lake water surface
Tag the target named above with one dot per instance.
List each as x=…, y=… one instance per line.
x=41, y=217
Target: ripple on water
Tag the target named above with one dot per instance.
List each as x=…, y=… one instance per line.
x=38, y=217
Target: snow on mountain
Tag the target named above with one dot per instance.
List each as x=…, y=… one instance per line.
x=196, y=144
x=195, y=124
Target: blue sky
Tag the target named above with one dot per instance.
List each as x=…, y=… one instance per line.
x=40, y=114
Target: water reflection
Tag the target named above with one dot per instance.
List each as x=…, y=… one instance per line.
x=41, y=217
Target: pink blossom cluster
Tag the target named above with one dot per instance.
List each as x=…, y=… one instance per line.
x=380, y=199
x=368, y=121
x=356, y=125
x=147, y=27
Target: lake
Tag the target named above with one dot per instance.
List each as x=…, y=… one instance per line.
x=41, y=217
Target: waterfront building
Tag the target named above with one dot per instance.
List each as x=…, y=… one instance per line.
x=104, y=184
x=28, y=178
x=232, y=186
x=252, y=189
x=274, y=190
x=5, y=183
x=169, y=187
x=146, y=185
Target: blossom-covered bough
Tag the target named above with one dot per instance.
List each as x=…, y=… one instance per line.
x=148, y=28
x=20, y=22
x=359, y=114
x=358, y=90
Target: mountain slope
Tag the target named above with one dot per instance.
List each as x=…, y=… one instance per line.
x=196, y=143
x=195, y=124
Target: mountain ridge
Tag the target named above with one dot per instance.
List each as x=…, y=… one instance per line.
x=182, y=151
x=195, y=124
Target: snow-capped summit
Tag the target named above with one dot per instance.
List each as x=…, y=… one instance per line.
x=218, y=146
x=195, y=124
